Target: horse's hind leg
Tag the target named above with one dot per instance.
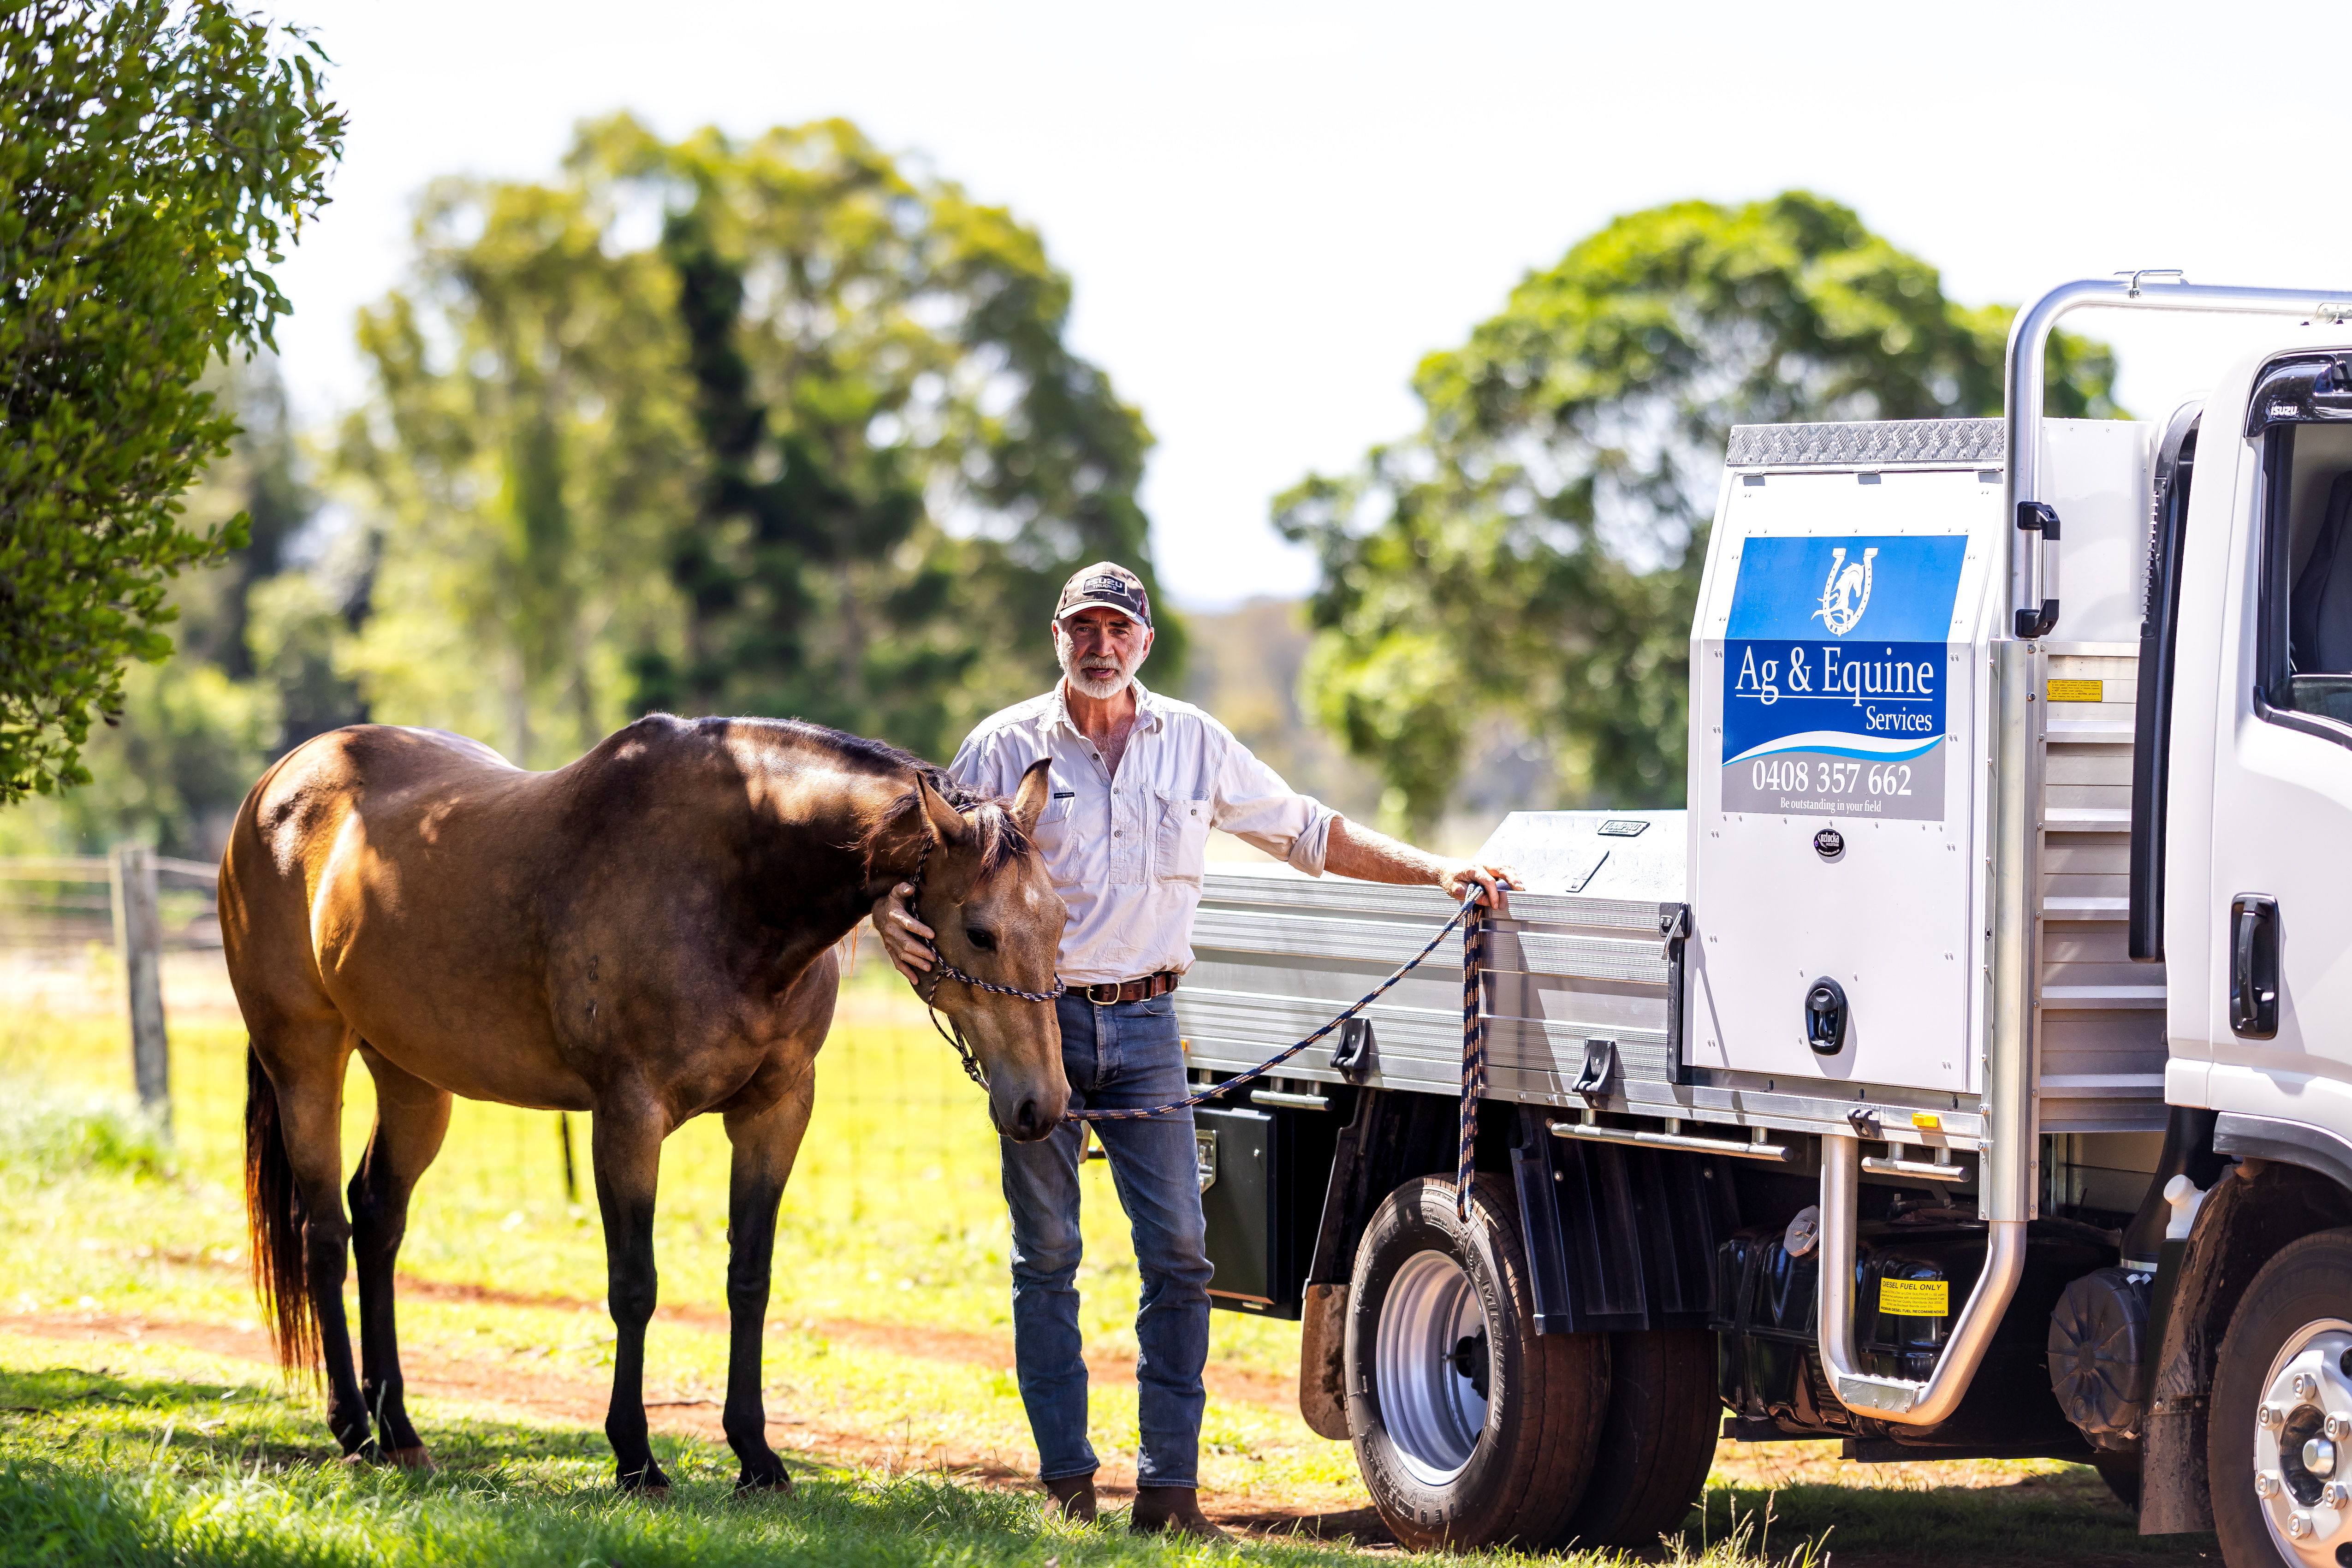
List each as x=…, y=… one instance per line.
x=411, y=1118
x=306, y=1061
x=765, y=1145
x=766, y=1140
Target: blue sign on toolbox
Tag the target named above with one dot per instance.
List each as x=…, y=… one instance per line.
x=1835, y=664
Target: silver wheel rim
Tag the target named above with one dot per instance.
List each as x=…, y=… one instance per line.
x=2302, y=1444
x=1431, y=1408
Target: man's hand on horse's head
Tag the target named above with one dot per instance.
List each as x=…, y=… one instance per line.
x=904, y=938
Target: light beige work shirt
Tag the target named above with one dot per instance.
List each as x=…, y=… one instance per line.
x=1127, y=855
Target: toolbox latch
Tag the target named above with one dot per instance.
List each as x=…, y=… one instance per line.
x=1600, y=1066
x=1352, y=1058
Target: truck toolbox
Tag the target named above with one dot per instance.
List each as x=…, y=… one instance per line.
x=1248, y=1167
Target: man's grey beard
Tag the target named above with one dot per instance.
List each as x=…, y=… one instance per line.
x=1100, y=690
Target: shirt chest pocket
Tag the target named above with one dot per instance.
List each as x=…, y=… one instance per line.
x=1180, y=849
x=1054, y=823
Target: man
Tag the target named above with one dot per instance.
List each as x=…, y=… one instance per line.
x=1137, y=780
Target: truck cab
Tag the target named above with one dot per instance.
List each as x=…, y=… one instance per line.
x=1966, y=1072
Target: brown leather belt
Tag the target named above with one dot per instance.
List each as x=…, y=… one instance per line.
x=1104, y=992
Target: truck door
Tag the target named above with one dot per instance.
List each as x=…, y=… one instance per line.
x=2278, y=909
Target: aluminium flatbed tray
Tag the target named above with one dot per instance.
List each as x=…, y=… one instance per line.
x=1278, y=954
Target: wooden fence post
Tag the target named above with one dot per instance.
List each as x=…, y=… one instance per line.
x=139, y=938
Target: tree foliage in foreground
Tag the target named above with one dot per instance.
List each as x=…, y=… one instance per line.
x=1533, y=553
x=769, y=426
x=154, y=156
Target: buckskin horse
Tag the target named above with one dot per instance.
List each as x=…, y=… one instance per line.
x=646, y=934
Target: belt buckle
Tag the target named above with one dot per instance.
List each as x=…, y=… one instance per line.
x=1103, y=992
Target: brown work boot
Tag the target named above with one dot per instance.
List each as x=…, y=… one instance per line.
x=1174, y=1511
x=1073, y=1497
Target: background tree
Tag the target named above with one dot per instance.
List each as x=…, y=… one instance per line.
x=255, y=670
x=154, y=157
x=1533, y=553
x=525, y=451
x=767, y=427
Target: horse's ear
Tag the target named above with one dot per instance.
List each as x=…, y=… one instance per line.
x=948, y=825
x=1029, y=801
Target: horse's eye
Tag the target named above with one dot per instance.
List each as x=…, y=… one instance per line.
x=984, y=939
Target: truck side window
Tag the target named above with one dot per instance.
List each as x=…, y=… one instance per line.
x=2307, y=575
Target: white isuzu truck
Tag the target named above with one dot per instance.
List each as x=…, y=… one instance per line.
x=1966, y=1072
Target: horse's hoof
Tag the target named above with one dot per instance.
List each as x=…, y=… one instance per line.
x=777, y=1480
x=367, y=1453
x=646, y=1483
x=417, y=1458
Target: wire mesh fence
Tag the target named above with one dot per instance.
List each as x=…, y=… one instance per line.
x=63, y=903
x=898, y=1134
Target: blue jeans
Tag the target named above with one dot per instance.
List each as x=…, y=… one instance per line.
x=1122, y=1056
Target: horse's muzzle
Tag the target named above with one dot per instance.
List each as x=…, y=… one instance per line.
x=1030, y=1122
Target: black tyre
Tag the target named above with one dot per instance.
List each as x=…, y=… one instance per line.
x=2282, y=1412
x=1471, y=1429
x=1656, y=1441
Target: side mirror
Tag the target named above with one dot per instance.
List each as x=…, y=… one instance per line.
x=2332, y=387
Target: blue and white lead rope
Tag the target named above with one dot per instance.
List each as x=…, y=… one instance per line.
x=1472, y=918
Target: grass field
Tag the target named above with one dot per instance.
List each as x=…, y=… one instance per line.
x=141, y=1418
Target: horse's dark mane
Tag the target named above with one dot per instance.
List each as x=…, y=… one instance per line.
x=1001, y=840
x=869, y=755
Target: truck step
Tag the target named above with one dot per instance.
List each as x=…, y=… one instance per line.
x=2086, y=909
x=2089, y=732
x=2102, y=997
x=2086, y=819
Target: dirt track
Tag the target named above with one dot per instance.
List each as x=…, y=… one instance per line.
x=500, y=1385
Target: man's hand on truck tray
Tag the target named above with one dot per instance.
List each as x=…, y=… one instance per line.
x=1458, y=877
x=1355, y=850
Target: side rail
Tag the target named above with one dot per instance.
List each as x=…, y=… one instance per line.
x=1567, y=979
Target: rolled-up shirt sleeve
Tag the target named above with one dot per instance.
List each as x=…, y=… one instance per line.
x=971, y=767
x=1254, y=805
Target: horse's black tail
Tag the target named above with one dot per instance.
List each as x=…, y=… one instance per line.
x=273, y=1211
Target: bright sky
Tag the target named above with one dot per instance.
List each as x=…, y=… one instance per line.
x=1272, y=212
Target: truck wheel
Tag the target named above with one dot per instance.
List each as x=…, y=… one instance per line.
x=1471, y=1429
x=2279, y=1440
x=1657, y=1441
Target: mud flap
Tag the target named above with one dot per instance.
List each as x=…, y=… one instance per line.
x=1322, y=1361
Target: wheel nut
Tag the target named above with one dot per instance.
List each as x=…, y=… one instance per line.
x=2266, y=1483
x=2335, y=1494
x=2269, y=1415
x=2338, y=1427
x=2298, y=1524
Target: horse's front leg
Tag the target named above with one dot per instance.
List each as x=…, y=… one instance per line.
x=765, y=1142
x=629, y=1127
